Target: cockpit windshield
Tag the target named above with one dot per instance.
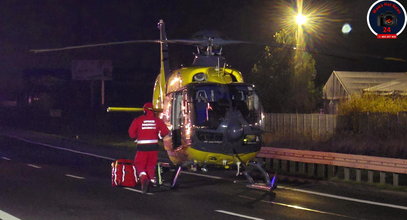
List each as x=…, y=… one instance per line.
x=245, y=100
x=212, y=102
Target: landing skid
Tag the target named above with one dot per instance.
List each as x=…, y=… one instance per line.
x=257, y=177
x=170, y=182
x=256, y=168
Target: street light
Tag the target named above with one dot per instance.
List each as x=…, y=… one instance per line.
x=311, y=17
x=301, y=19
x=301, y=22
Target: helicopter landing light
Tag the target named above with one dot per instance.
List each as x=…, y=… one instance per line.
x=260, y=187
x=251, y=139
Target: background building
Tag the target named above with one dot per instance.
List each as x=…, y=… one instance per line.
x=343, y=84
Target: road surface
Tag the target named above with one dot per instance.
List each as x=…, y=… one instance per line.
x=68, y=181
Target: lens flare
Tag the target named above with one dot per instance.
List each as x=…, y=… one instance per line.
x=346, y=28
x=300, y=19
x=315, y=19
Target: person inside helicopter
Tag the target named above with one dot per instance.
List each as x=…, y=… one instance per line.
x=245, y=100
x=210, y=109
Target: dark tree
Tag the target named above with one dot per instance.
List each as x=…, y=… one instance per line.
x=285, y=77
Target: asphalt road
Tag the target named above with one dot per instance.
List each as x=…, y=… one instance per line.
x=40, y=181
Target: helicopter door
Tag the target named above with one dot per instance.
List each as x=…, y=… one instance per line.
x=177, y=119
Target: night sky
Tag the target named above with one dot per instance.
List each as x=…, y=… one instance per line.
x=35, y=24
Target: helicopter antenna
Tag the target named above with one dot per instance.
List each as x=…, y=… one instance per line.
x=209, y=49
x=224, y=66
x=217, y=68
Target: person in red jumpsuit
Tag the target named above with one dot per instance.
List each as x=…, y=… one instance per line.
x=146, y=130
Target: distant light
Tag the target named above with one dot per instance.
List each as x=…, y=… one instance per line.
x=301, y=19
x=346, y=28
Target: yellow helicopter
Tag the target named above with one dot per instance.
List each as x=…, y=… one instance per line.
x=215, y=118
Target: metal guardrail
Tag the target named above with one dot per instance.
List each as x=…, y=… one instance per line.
x=370, y=163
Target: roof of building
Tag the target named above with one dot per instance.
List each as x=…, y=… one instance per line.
x=397, y=86
x=356, y=82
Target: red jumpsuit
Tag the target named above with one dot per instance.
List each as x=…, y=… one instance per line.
x=147, y=129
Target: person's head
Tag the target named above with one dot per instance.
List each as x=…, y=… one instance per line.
x=148, y=107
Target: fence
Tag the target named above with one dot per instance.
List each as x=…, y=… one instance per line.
x=313, y=126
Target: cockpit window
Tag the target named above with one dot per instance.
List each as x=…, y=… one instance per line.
x=245, y=99
x=212, y=102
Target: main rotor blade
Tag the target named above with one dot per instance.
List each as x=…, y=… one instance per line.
x=93, y=45
x=215, y=41
x=187, y=42
x=220, y=41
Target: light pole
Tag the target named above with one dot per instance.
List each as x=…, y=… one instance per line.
x=301, y=20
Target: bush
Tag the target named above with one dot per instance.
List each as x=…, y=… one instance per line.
x=380, y=116
x=373, y=104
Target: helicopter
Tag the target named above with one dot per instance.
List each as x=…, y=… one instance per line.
x=214, y=117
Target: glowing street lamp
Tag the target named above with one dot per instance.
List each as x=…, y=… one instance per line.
x=313, y=19
x=301, y=19
x=301, y=22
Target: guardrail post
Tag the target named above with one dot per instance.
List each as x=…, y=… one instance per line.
x=331, y=171
x=395, y=179
x=284, y=165
x=358, y=175
x=267, y=164
x=292, y=167
x=302, y=169
x=311, y=169
x=276, y=165
x=321, y=170
x=346, y=173
x=382, y=178
x=370, y=176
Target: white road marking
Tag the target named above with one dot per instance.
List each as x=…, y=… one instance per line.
x=34, y=166
x=239, y=215
x=297, y=207
x=315, y=193
x=61, y=148
x=344, y=198
x=75, y=177
x=202, y=175
x=5, y=158
x=136, y=190
x=6, y=216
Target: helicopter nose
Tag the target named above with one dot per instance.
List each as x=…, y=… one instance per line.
x=235, y=131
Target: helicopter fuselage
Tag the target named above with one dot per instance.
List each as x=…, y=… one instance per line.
x=214, y=117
